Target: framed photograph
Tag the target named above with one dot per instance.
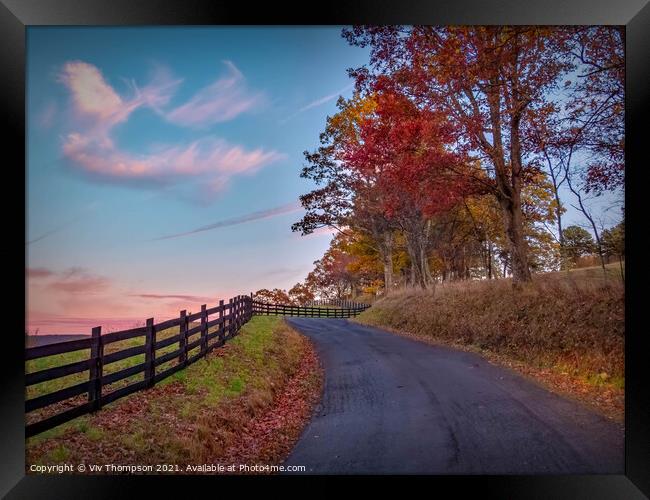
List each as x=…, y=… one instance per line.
x=385, y=240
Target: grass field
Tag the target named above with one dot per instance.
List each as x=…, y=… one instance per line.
x=196, y=415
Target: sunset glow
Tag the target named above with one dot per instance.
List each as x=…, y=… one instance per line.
x=163, y=167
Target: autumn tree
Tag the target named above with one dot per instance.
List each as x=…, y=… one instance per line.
x=275, y=296
x=346, y=197
x=331, y=277
x=597, y=105
x=614, y=241
x=486, y=79
x=300, y=294
x=578, y=242
x=407, y=148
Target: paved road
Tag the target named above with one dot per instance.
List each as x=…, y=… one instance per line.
x=394, y=405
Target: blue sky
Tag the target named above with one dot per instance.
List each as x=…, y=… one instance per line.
x=241, y=103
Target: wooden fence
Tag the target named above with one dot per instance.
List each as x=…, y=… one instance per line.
x=230, y=317
x=308, y=311
x=342, y=303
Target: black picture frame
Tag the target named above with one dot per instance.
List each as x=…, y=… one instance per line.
x=17, y=15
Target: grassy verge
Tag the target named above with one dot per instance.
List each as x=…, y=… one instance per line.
x=565, y=330
x=83, y=354
x=246, y=401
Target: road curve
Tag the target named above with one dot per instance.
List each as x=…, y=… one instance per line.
x=395, y=405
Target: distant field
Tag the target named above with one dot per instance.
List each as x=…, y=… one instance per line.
x=612, y=271
x=38, y=340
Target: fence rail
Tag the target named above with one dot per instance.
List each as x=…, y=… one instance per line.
x=262, y=308
x=231, y=316
x=340, y=303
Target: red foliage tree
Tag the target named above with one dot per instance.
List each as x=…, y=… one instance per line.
x=485, y=79
x=416, y=174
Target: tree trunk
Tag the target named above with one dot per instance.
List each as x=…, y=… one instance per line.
x=489, y=259
x=516, y=242
x=418, y=275
x=387, y=259
x=508, y=177
x=560, y=232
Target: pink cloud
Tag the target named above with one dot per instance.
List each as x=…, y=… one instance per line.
x=210, y=162
x=38, y=272
x=79, y=313
x=77, y=280
x=216, y=161
x=220, y=101
x=91, y=94
x=93, y=97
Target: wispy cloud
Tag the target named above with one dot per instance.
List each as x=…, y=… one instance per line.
x=96, y=101
x=84, y=211
x=79, y=280
x=38, y=272
x=243, y=219
x=280, y=272
x=45, y=235
x=186, y=298
x=214, y=160
x=318, y=102
x=220, y=101
x=209, y=162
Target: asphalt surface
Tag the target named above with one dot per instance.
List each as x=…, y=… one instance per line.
x=395, y=405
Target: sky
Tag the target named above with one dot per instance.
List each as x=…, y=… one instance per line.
x=163, y=166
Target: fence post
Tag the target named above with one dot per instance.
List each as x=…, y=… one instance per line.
x=150, y=353
x=236, y=304
x=231, y=316
x=234, y=315
x=96, y=369
x=238, y=309
x=222, y=326
x=182, y=342
x=204, y=330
